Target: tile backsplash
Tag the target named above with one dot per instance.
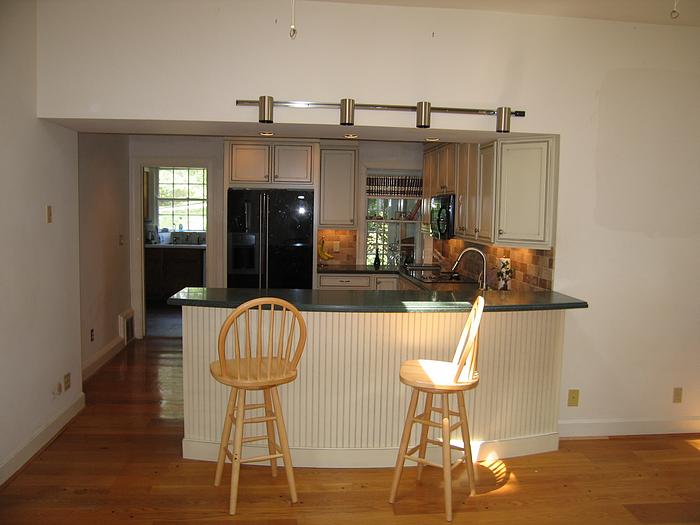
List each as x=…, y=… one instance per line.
x=348, y=245
x=532, y=269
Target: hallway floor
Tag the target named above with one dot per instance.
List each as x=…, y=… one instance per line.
x=119, y=461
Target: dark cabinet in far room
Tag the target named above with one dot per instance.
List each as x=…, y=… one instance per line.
x=168, y=270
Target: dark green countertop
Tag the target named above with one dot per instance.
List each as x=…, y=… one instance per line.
x=380, y=301
x=355, y=268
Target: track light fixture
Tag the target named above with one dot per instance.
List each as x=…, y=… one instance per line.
x=423, y=114
x=503, y=119
x=347, y=111
x=347, y=108
x=265, y=106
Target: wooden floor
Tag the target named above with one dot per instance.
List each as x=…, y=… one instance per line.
x=120, y=461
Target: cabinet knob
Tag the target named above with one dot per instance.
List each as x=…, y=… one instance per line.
x=500, y=231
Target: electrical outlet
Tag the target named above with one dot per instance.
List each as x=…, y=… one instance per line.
x=92, y=334
x=49, y=214
x=66, y=381
x=336, y=246
x=678, y=394
x=572, y=399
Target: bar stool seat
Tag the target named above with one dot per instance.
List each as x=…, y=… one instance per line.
x=242, y=367
x=434, y=376
x=444, y=379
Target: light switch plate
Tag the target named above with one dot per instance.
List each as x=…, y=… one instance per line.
x=336, y=246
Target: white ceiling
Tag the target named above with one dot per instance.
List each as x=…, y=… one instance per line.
x=644, y=11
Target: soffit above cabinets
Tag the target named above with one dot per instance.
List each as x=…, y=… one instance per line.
x=642, y=11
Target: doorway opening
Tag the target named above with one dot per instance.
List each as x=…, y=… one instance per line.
x=175, y=241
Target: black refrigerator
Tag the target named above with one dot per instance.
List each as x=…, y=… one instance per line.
x=270, y=238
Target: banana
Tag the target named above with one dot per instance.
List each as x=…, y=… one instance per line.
x=322, y=253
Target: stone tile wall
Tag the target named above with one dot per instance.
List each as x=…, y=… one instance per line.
x=348, y=246
x=533, y=269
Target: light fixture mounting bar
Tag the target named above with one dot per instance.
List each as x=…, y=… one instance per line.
x=377, y=107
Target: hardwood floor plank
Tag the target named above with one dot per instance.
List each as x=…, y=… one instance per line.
x=120, y=461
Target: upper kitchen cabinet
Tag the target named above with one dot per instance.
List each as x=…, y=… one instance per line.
x=250, y=162
x=293, y=163
x=338, y=174
x=525, y=187
x=485, y=203
x=467, y=190
x=447, y=156
x=429, y=174
x=286, y=163
x=440, y=163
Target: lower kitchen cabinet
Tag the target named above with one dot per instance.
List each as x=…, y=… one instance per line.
x=358, y=281
x=169, y=270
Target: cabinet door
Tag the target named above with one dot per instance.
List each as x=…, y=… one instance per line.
x=466, y=190
x=523, y=171
x=435, y=183
x=293, y=163
x=487, y=190
x=446, y=168
x=338, y=187
x=405, y=284
x=428, y=176
x=386, y=283
x=250, y=163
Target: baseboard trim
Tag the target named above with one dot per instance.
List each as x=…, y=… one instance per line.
x=626, y=427
x=99, y=358
x=40, y=439
x=379, y=457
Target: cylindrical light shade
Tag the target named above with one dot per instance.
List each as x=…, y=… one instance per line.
x=423, y=115
x=347, y=111
x=503, y=119
x=265, y=105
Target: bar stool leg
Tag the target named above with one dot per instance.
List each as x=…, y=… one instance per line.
x=403, y=446
x=225, y=436
x=446, y=462
x=270, y=432
x=427, y=413
x=237, y=445
x=286, y=456
x=467, y=443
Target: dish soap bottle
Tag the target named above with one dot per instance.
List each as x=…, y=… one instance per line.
x=377, y=261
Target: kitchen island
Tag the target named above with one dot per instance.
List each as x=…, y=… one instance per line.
x=347, y=406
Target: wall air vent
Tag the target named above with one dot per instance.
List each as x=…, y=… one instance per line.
x=126, y=325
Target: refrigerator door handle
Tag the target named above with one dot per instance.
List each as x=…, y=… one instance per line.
x=267, y=240
x=260, y=240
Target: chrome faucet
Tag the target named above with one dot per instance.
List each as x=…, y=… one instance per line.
x=482, y=280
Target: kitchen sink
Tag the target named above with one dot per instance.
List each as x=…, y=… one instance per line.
x=434, y=276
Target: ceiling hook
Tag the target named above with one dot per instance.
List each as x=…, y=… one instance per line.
x=674, y=12
x=293, y=27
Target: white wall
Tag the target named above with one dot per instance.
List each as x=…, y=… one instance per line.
x=39, y=311
x=103, y=170
x=622, y=96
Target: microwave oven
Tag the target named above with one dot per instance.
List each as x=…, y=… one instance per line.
x=442, y=216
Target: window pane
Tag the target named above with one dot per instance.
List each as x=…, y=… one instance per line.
x=165, y=207
x=180, y=176
x=197, y=176
x=165, y=221
x=180, y=191
x=196, y=222
x=196, y=207
x=165, y=190
x=197, y=191
x=165, y=175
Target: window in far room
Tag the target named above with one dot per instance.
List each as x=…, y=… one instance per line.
x=181, y=199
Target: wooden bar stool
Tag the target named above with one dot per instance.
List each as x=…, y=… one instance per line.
x=443, y=379
x=263, y=362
